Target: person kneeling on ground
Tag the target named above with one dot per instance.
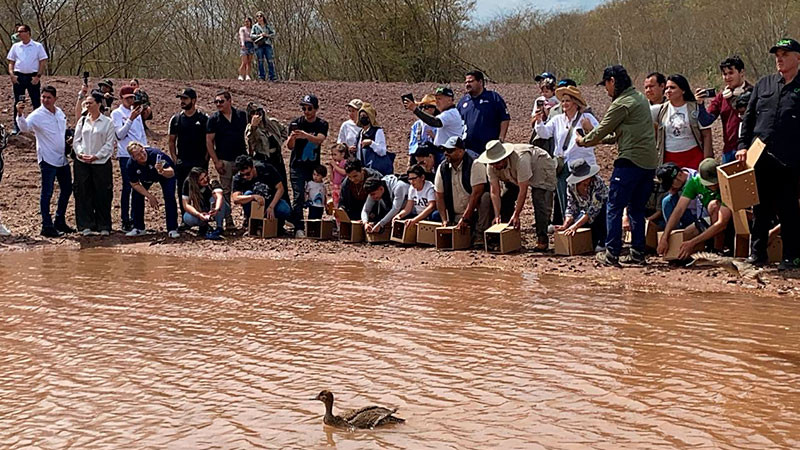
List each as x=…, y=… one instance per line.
x=386, y=196
x=673, y=179
x=421, y=200
x=462, y=189
x=258, y=181
x=146, y=166
x=353, y=193
x=203, y=202
x=587, y=198
x=705, y=186
x=521, y=166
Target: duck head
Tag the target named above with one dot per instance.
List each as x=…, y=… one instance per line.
x=325, y=397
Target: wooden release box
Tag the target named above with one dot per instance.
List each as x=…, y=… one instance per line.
x=263, y=228
x=319, y=229
x=426, y=232
x=502, y=238
x=380, y=238
x=775, y=246
x=651, y=235
x=404, y=232
x=452, y=238
x=578, y=244
x=349, y=231
x=737, y=180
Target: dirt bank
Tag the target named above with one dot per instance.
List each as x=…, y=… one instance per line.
x=19, y=191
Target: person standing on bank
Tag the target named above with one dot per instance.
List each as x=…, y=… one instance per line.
x=628, y=123
x=225, y=140
x=371, y=147
x=484, y=112
x=27, y=60
x=265, y=137
x=93, y=144
x=145, y=167
x=262, y=34
x=773, y=116
x=306, y=135
x=679, y=136
x=447, y=123
x=247, y=49
x=187, y=139
x=49, y=125
x=129, y=128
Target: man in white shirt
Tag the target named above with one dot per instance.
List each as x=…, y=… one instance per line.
x=448, y=123
x=129, y=128
x=49, y=125
x=26, y=62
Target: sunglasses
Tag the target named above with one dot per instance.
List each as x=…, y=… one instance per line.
x=308, y=108
x=449, y=150
x=428, y=107
x=412, y=179
x=219, y=102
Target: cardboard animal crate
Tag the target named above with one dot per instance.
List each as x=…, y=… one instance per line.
x=380, y=238
x=263, y=228
x=350, y=231
x=675, y=242
x=578, y=244
x=651, y=230
x=453, y=238
x=426, y=232
x=319, y=229
x=775, y=246
x=502, y=238
x=737, y=180
x=404, y=232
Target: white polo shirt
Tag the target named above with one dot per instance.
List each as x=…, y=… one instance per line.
x=26, y=57
x=49, y=129
x=127, y=131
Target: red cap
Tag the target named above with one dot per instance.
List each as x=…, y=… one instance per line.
x=125, y=92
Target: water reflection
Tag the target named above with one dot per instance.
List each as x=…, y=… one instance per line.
x=102, y=349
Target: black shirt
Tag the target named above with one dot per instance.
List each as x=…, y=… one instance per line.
x=305, y=154
x=205, y=194
x=262, y=184
x=147, y=173
x=190, y=132
x=229, y=136
x=774, y=116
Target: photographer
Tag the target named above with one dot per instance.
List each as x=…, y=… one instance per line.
x=129, y=128
x=143, y=99
x=106, y=87
x=265, y=136
x=146, y=166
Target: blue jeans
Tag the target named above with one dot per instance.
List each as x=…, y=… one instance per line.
x=728, y=157
x=630, y=187
x=668, y=205
x=265, y=53
x=282, y=209
x=194, y=221
x=170, y=207
x=125, y=197
x=49, y=176
x=299, y=178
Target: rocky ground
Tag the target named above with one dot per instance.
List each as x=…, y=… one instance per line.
x=19, y=191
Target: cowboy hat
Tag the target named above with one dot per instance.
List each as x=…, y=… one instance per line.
x=496, y=151
x=581, y=170
x=428, y=99
x=573, y=92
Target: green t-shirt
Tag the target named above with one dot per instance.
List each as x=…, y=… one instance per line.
x=694, y=188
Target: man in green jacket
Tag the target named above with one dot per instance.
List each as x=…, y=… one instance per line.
x=628, y=123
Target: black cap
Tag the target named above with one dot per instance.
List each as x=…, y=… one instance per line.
x=425, y=149
x=612, y=72
x=666, y=174
x=187, y=92
x=790, y=45
x=444, y=90
x=311, y=100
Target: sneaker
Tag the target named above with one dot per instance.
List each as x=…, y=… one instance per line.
x=105, y=233
x=241, y=78
x=299, y=234
x=173, y=234
x=756, y=260
x=63, y=227
x=607, y=259
x=4, y=231
x=88, y=232
x=634, y=258
x=247, y=78
x=50, y=232
x=600, y=249
x=789, y=264
x=135, y=232
x=214, y=235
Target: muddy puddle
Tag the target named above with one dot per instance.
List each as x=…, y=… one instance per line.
x=100, y=349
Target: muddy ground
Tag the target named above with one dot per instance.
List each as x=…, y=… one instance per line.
x=19, y=191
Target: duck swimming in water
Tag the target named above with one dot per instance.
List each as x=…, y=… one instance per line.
x=367, y=417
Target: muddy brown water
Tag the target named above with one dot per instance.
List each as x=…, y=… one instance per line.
x=100, y=349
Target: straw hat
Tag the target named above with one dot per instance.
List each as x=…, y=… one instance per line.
x=573, y=92
x=581, y=170
x=496, y=151
x=428, y=99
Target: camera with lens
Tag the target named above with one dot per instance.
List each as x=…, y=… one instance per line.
x=138, y=99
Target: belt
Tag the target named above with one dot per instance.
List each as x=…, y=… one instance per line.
x=32, y=74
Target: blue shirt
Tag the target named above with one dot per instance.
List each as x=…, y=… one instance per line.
x=146, y=173
x=482, y=116
x=419, y=134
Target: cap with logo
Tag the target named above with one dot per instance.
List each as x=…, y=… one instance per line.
x=311, y=100
x=454, y=142
x=444, y=90
x=187, y=92
x=544, y=76
x=790, y=45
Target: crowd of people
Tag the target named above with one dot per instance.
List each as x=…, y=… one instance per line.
x=461, y=170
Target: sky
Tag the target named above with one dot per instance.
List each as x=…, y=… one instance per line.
x=487, y=9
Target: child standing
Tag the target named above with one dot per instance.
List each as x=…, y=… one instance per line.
x=337, y=162
x=316, y=193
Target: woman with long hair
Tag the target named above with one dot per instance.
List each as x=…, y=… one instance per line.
x=247, y=49
x=262, y=34
x=679, y=136
x=203, y=203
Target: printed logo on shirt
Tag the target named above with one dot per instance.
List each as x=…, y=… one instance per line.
x=466, y=104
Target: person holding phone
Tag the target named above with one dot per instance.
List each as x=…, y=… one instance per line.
x=146, y=166
x=447, y=123
x=27, y=60
x=680, y=138
x=129, y=128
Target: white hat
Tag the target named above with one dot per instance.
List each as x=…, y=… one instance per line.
x=496, y=151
